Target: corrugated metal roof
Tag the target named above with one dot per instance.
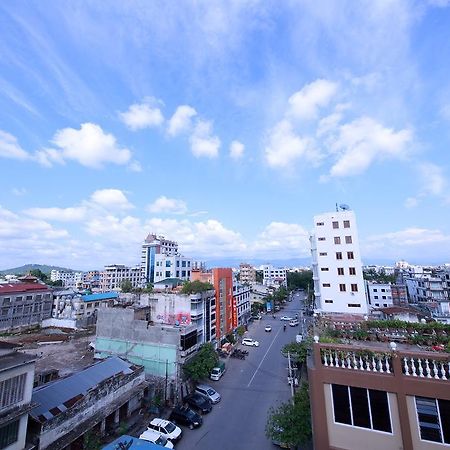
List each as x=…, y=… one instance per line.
x=101, y=296
x=57, y=393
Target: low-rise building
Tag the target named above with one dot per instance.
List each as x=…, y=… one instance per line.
x=72, y=309
x=71, y=410
x=175, y=308
x=16, y=384
x=24, y=305
x=379, y=397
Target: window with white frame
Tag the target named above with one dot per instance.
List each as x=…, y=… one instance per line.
x=434, y=419
x=360, y=407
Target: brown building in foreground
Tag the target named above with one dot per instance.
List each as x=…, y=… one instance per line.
x=372, y=398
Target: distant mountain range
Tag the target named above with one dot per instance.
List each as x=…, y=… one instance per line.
x=27, y=267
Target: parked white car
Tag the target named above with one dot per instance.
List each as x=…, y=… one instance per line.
x=156, y=438
x=165, y=427
x=250, y=342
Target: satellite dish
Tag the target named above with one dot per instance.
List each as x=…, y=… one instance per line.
x=344, y=207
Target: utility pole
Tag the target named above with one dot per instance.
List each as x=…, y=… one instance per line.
x=290, y=376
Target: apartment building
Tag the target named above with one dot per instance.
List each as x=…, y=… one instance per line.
x=375, y=397
x=274, y=276
x=336, y=264
x=70, y=280
x=222, y=280
x=154, y=245
x=247, y=273
x=114, y=275
x=16, y=385
x=379, y=295
x=241, y=303
x=171, y=266
x=24, y=305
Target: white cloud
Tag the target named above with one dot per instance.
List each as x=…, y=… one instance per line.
x=89, y=146
x=135, y=166
x=113, y=199
x=414, y=244
x=203, y=142
x=411, y=202
x=181, y=121
x=280, y=239
x=71, y=214
x=168, y=206
x=305, y=104
x=433, y=179
x=17, y=228
x=142, y=115
x=237, y=150
x=360, y=143
x=10, y=148
x=284, y=147
x=19, y=192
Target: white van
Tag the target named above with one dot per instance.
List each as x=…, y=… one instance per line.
x=293, y=323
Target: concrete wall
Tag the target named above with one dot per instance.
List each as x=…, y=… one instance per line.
x=155, y=347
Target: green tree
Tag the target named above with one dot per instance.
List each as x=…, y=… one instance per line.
x=297, y=350
x=194, y=287
x=240, y=330
x=126, y=286
x=200, y=365
x=290, y=423
x=39, y=274
x=259, y=276
x=300, y=280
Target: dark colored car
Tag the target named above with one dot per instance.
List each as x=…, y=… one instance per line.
x=199, y=403
x=182, y=415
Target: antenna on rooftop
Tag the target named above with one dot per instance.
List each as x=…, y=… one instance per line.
x=344, y=207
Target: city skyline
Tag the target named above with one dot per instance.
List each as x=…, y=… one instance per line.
x=225, y=127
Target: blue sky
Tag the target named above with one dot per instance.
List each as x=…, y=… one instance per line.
x=223, y=125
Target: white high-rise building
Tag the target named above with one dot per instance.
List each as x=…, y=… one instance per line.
x=336, y=263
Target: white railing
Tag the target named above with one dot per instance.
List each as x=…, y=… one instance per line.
x=426, y=368
x=353, y=360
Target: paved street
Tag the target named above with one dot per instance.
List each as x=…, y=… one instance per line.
x=249, y=388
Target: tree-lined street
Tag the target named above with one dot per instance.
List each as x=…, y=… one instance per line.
x=249, y=388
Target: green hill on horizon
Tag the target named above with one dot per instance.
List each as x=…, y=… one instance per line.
x=22, y=270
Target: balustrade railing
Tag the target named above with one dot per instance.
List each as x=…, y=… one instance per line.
x=420, y=364
x=356, y=360
x=424, y=367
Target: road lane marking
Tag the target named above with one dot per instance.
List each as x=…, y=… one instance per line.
x=263, y=358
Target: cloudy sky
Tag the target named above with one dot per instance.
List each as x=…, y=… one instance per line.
x=224, y=125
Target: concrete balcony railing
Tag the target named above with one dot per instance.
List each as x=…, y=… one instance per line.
x=356, y=360
x=420, y=364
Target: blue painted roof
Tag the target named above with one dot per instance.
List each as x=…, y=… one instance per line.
x=135, y=443
x=101, y=296
x=55, y=394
